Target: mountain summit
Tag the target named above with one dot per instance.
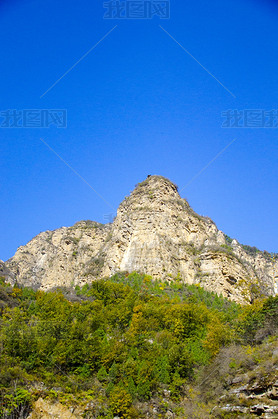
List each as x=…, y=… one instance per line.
x=155, y=232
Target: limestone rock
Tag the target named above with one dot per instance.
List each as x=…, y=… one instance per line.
x=45, y=410
x=6, y=273
x=155, y=232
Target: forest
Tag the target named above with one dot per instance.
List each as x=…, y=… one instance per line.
x=124, y=346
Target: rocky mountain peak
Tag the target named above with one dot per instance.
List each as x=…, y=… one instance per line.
x=152, y=204
x=157, y=187
x=155, y=232
x=154, y=193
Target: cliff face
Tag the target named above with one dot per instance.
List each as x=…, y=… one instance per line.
x=6, y=273
x=155, y=232
x=242, y=381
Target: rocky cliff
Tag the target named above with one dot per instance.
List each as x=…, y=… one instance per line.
x=156, y=232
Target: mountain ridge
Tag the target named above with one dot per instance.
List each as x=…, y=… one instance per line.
x=155, y=232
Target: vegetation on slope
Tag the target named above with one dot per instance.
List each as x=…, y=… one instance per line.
x=252, y=250
x=125, y=346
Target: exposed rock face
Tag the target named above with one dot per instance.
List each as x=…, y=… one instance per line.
x=45, y=410
x=155, y=232
x=253, y=391
x=6, y=273
x=64, y=257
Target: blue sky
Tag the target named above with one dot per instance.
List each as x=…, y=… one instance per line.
x=138, y=104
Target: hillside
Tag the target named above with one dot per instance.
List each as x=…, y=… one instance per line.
x=131, y=347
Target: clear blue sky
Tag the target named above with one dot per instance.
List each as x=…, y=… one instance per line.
x=138, y=104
